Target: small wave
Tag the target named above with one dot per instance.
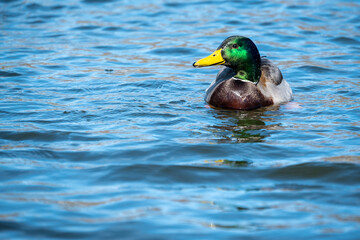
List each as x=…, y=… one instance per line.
x=345, y=40
x=9, y=74
x=316, y=69
x=97, y=1
x=339, y=173
x=173, y=51
x=86, y=28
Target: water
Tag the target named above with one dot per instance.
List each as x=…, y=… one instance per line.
x=104, y=133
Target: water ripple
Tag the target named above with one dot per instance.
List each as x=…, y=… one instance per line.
x=104, y=131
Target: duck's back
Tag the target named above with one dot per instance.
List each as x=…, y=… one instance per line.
x=272, y=85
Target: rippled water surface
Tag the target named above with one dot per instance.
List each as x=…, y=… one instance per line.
x=104, y=133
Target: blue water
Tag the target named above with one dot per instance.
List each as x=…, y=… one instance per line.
x=104, y=133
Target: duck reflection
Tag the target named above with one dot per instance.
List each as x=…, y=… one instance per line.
x=244, y=126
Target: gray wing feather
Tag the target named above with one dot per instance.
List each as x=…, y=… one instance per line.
x=225, y=73
x=270, y=71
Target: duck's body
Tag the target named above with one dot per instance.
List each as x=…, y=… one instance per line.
x=230, y=92
x=252, y=83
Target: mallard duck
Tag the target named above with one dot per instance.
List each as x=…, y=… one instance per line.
x=247, y=81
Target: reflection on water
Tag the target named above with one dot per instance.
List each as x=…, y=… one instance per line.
x=104, y=131
x=241, y=126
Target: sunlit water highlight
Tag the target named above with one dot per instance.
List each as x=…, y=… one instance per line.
x=104, y=133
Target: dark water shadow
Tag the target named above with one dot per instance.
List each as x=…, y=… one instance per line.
x=235, y=126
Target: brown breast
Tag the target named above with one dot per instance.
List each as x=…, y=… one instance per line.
x=236, y=94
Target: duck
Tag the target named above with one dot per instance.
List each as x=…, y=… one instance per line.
x=246, y=81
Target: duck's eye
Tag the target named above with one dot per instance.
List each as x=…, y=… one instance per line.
x=235, y=46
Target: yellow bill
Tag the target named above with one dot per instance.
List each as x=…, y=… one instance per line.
x=214, y=59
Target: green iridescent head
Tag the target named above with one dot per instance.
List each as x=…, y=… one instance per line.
x=238, y=53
